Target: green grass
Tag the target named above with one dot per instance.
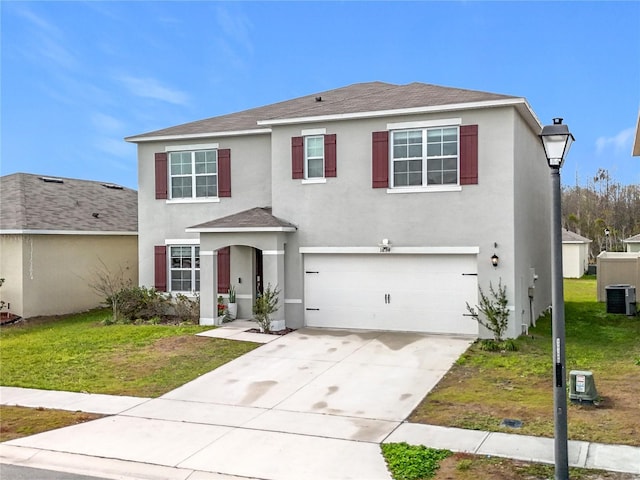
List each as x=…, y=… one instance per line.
x=485, y=387
x=78, y=353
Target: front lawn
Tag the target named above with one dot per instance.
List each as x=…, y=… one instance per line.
x=78, y=353
x=483, y=388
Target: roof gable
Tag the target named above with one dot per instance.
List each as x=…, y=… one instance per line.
x=256, y=219
x=352, y=99
x=31, y=202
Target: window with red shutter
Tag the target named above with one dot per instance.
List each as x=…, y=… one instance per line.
x=160, y=268
x=224, y=269
x=161, y=176
x=330, y=162
x=297, y=157
x=468, y=154
x=224, y=172
x=380, y=159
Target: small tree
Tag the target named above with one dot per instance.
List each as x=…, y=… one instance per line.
x=265, y=305
x=109, y=284
x=494, y=310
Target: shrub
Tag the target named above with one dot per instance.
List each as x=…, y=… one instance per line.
x=412, y=462
x=265, y=305
x=494, y=310
x=141, y=303
x=187, y=309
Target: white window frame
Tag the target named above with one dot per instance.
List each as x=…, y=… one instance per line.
x=307, y=157
x=194, y=269
x=193, y=175
x=424, y=186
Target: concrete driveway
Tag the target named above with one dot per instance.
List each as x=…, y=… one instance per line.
x=311, y=404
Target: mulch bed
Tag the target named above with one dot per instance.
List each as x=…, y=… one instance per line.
x=279, y=332
x=7, y=318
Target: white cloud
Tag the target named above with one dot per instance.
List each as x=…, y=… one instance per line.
x=236, y=26
x=152, y=88
x=106, y=122
x=116, y=147
x=621, y=142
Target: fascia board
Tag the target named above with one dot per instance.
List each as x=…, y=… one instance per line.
x=63, y=232
x=233, y=133
x=394, y=250
x=239, y=229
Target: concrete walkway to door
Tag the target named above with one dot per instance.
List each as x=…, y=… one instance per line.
x=310, y=404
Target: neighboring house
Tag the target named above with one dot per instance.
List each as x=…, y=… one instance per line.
x=633, y=243
x=372, y=206
x=55, y=234
x=575, y=254
x=636, y=141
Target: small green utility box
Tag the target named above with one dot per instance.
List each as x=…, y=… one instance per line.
x=582, y=386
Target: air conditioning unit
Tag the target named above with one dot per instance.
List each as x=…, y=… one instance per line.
x=621, y=299
x=582, y=386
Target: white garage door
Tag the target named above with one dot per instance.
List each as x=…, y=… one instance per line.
x=416, y=293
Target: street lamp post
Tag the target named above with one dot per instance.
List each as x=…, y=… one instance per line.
x=556, y=140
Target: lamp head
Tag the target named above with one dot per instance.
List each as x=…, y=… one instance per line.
x=556, y=140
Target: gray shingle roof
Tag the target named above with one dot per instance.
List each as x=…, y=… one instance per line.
x=356, y=98
x=255, y=218
x=572, y=237
x=27, y=202
x=633, y=239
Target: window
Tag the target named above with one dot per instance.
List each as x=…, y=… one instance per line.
x=184, y=268
x=314, y=156
x=194, y=174
x=424, y=157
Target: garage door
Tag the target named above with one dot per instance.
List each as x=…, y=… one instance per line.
x=416, y=293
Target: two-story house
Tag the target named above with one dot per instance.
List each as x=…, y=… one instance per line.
x=372, y=206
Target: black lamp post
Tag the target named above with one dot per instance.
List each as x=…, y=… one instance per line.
x=556, y=140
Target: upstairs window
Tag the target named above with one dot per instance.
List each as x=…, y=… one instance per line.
x=193, y=174
x=424, y=157
x=314, y=156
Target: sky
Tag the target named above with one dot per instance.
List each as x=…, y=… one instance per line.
x=78, y=77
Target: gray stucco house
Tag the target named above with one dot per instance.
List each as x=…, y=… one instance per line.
x=372, y=206
x=56, y=234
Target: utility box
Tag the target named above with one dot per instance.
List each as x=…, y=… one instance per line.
x=582, y=386
x=621, y=299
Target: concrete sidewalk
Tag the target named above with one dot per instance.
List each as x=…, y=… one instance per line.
x=313, y=404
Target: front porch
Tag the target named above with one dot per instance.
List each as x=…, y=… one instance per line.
x=258, y=242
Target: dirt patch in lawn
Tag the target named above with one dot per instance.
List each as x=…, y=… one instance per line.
x=470, y=467
x=18, y=422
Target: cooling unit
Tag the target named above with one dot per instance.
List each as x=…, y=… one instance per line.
x=621, y=299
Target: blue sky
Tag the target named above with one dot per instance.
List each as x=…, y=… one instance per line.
x=78, y=77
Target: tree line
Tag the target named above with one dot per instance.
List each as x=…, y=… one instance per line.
x=603, y=211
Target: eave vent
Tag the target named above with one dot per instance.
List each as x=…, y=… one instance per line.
x=113, y=186
x=51, y=180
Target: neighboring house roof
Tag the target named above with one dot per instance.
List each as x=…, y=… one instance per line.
x=253, y=220
x=572, y=237
x=346, y=102
x=39, y=204
x=633, y=239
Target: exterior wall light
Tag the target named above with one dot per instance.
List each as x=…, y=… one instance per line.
x=385, y=246
x=495, y=259
x=556, y=141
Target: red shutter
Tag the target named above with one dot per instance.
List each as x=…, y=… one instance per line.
x=380, y=165
x=160, y=267
x=468, y=154
x=330, y=164
x=224, y=269
x=224, y=172
x=297, y=157
x=161, y=176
